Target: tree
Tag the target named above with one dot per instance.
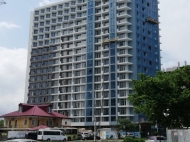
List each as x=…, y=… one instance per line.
x=164, y=98
x=125, y=125
x=1, y=123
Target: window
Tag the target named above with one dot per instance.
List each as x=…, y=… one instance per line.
x=60, y=6
x=122, y=84
x=122, y=68
x=66, y=4
x=122, y=76
x=25, y=122
x=122, y=111
x=106, y=69
x=72, y=2
x=49, y=109
x=123, y=102
x=106, y=85
x=72, y=9
x=36, y=12
x=97, y=79
x=106, y=110
x=54, y=8
x=47, y=15
x=60, y=12
x=122, y=59
x=66, y=17
x=122, y=93
x=20, y=109
x=35, y=25
x=48, y=9
x=33, y=122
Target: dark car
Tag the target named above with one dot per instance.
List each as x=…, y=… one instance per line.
x=31, y=135
x=79, y=136
x=91, y=137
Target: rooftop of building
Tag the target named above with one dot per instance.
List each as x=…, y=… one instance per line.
x=35, y=110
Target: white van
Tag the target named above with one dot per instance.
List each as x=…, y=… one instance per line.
x=48, y=135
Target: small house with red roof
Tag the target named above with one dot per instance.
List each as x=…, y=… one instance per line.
x=28, y=116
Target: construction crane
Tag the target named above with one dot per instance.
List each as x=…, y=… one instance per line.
x=2, y=2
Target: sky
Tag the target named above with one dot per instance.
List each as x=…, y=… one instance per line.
x=14, y=34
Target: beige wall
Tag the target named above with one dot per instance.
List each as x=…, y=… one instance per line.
x=52, y=122
x=66, y=122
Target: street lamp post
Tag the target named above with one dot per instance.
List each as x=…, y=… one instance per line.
x=94, y=112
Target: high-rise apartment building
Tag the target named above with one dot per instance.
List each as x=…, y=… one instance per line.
x=83, y=55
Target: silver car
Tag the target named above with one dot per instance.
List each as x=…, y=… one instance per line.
x=156, y=139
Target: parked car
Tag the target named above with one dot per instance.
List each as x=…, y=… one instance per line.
x=156, y=139
x=83, y=135
x=130, y=135
x=31, y=135
x=21, y=140
x=91, y=137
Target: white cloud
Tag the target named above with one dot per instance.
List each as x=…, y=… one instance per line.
x=8, y=25
x=46, y=2
x=12, y=78
x=174, y=32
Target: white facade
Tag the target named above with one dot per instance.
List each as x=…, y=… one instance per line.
x=57, y=59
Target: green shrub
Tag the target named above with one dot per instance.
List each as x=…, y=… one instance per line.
x=130, y=139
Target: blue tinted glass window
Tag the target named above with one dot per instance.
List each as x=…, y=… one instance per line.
x=112, y=60
x=90, y=26
x=90, y=18
x=112, y=14
x=112, y=68
x=113, y=111
x=112, y=21
x=89, y=87
x=88, y=103
x=89, y=71
x=113, y=84
x=112, y=52
x=113, y=102
x=111, y=5
x=112, y=76
x=90, y=40
x=90, y=11
x=88, y=119
x=90, y=4
x=112, y=29
x=112, y=35
x=88, y=95
x=89, y=79
x=88, y=112
x=89, y=63
x=113, y=93
x=113, y=118
x=90, y=33
x=112, y=45
x=89, y=48
x=89, y=55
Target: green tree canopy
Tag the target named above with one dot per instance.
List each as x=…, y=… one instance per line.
x=164, y=98
x=125, y=125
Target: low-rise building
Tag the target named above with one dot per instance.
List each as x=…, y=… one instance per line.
x=28, y=116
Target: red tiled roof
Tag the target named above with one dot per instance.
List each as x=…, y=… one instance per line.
x=34, y=110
